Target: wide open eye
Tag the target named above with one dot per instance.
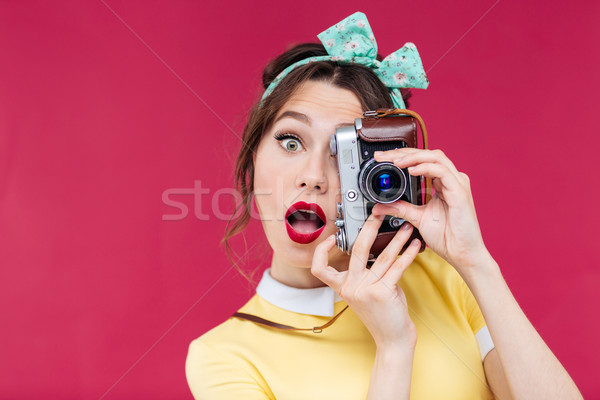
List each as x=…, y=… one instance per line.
x=289, y=142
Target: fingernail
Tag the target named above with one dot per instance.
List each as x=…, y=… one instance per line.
x=406, y=226
x=377, y=153
x=416, y=243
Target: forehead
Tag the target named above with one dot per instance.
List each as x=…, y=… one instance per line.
x=324, y=101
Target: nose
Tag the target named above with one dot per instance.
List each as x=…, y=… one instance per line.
x=313, y=174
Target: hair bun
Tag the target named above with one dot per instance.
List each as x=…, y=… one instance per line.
x=289, y=57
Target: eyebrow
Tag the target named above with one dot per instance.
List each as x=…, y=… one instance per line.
x=297, y=116
x=306, y=119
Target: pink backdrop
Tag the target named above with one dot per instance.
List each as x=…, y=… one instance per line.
x=109, y=108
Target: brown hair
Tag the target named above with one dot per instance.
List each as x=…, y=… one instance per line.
x=359, y=79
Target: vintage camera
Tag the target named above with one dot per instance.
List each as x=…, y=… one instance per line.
x=365, y=182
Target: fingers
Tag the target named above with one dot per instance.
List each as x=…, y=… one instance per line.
x=409, y=156
x=401, y=209
x=391, y=251
x=362, y=245
x=449, y=180
x=320, y=268
x=394, y=273
x=433, y=164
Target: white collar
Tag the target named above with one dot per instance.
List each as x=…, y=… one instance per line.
x=316, y=301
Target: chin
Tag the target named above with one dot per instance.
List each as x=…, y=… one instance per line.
x=292, y=255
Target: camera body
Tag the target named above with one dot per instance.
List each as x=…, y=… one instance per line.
x=365, y=182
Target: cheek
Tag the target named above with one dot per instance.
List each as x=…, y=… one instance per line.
x=261, y=167
x=269, y=186
x=260, y=188
x=264, y=175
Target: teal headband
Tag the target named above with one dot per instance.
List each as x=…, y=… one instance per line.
x=351, y=41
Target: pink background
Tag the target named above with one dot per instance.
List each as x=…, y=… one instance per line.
x=104, y=106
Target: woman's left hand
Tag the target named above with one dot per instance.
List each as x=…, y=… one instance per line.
x=448, y=222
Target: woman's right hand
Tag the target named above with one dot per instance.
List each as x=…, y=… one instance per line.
x=374, y=294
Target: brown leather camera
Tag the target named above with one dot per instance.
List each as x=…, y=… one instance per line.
x=365, y=182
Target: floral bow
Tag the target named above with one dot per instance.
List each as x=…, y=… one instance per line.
x=351, y=40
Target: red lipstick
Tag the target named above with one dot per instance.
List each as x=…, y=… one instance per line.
x=302, y=222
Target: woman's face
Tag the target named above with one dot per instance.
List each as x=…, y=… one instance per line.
x=295, y=171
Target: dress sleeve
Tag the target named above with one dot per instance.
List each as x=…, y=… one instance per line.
x=211, y=375
x=477, y=322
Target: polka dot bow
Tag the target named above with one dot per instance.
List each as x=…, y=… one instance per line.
x=351, y=40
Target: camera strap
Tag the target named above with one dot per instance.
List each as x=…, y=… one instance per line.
x=266, y=322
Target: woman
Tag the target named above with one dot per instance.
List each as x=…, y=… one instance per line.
x=449, y=329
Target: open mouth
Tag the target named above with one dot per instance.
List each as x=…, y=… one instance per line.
x=304, y=222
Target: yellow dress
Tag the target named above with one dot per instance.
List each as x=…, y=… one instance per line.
x=242, y=360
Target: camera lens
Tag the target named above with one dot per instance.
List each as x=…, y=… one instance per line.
x=382, y=182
